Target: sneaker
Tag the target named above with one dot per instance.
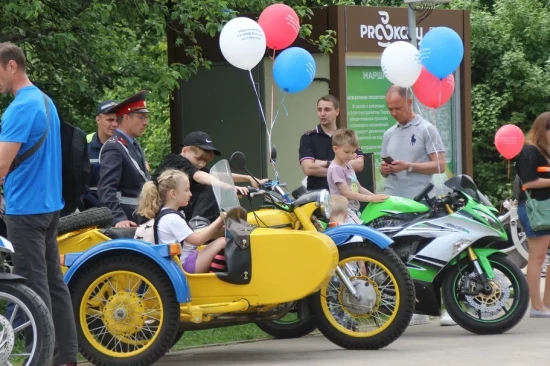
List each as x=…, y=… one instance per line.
x=419, y=319
x=446, y=319
x=539, y=314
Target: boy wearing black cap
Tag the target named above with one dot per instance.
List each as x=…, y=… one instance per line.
x=198, y=151
x=106, y=126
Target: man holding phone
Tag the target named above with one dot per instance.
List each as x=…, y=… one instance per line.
x=412, y=152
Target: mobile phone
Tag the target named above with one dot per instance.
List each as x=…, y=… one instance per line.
x=388, y=159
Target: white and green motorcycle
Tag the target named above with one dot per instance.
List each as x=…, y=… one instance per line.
x=452, y=248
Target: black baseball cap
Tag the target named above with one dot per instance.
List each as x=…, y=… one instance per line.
x=202, y=140
x=105, y=107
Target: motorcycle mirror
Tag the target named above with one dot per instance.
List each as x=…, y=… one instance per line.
x=237, y=161
x=273, y=153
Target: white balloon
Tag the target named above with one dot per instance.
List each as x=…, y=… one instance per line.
x=242, y=42
x=401, y=64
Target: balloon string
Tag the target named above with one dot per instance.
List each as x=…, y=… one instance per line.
x=415, y=102
x=272, y=122
x=258, y=97
x=508, y=169
x=279, y=109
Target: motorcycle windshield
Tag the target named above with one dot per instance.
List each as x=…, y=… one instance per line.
x=463, y=183
x=223, y=185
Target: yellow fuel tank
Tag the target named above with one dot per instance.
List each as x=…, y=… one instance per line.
x=273, y=218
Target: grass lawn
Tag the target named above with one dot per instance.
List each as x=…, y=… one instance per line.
x=236, y=333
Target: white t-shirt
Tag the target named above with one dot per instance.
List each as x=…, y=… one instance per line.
x=171, y=228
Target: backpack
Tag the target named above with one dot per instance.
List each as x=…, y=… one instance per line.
x=148, y=231
x=75, y=166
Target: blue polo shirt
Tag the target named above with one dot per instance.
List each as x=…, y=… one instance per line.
x=35, y=187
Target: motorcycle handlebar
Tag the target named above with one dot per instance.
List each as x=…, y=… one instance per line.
x=254, y=192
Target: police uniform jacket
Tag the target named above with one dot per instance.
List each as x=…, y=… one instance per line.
x=120, y=180
x=91, y=198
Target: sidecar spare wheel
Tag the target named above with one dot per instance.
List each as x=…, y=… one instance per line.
x=386, y=303
x=126, y=311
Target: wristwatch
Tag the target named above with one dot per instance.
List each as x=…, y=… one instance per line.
x=410, y=168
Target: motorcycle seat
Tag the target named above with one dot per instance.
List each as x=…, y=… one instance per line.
x=119, y=233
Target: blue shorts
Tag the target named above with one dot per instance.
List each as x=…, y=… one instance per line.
x=524, y=221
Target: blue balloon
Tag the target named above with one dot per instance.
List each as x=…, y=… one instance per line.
x=441, y=51
x=294, y=69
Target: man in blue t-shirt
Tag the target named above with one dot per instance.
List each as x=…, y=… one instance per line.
x=33, y=194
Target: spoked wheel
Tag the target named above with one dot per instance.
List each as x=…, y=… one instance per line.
x=491, y=313
x=296, y=324
x=126, y=311
x=385, y=305
x=26, y=327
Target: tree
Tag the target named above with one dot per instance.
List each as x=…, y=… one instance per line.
x=510, y=69
x=81, y=52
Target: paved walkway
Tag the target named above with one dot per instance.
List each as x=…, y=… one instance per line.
x=425, y=345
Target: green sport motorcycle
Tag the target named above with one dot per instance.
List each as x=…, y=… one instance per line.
x=451, y=245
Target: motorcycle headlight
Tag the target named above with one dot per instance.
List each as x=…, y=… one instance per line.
x=493, y=223
x=325, y=203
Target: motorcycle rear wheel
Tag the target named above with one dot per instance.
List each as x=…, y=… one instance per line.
x=474, y=322
x=338, y=316
x=303, y=325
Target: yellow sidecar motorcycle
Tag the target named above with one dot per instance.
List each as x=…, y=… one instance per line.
x=131, y=299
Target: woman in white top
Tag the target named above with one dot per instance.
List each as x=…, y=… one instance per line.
x=171, y=191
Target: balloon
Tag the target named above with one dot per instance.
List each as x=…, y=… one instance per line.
x=509, y=140
x=242, y=42
x=294, y=69
x=280, y=24
x=441, y=51
x=431, y=91
x=401, y=64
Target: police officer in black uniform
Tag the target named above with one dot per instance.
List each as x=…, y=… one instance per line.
x=316, y=151
x=106, y=126
x=123, y=169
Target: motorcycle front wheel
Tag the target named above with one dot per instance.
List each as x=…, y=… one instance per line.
x=493, y=313
x=385, y=305
x=27, y=333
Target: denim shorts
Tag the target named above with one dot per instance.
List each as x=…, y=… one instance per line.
x=524, y=221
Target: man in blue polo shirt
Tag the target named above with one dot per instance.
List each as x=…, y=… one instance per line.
x=33, y=194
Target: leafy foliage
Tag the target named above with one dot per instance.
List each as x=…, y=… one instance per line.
x=84, y=51
x=510, y=69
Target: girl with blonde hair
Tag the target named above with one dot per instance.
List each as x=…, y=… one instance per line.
x=171, y=191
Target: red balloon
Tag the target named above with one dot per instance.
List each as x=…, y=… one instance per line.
x=432, y=91
x=509, y=140
x=281, y=25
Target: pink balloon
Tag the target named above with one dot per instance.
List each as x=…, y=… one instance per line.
x=509, y=140
x=281, y=25
x=432, y=91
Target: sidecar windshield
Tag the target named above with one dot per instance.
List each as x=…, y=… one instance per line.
x=223, y=185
